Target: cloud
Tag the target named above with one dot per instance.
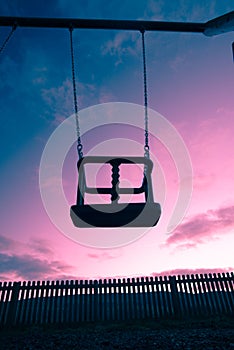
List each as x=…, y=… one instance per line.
x=59, y=100
x=106, y=96
x=41, y=246
x=5, y=243
x=200, y=271
x=122, y=44
x=154, y=10
x=29, y=267
x=104, y=256
x=202, y=227
x=178, y=62
x=181, y=10
x=32, y=261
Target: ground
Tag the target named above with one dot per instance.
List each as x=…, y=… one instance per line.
x=182, y=335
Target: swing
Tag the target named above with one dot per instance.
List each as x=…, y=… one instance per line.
x=114, y=214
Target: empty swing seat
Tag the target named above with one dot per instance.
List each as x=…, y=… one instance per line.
x=145, y=214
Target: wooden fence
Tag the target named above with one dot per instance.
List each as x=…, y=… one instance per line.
x=48, y=302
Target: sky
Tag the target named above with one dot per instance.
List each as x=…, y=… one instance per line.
x=191, y=119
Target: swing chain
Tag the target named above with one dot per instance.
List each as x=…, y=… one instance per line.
x=146, y=147
x=79, y=144
x=8, y=38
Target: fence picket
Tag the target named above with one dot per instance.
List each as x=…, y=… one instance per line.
x=134, y=299
x=152, y=298
x=200, y=305
x=85, y=290
x=231, y=280
x=2, y=295
x=181, y=295
x=13, y=303
x=52, y=305
x=210, y=295
x=148, y=298
x=75, y=303
x=215, y=294
x=205, y=295
x=104, y=300
x=29, y=302
x=228, y=292
x=21, y=304
x=6, y=302
x=175, y=296
x=88, y=309
x=158, y=296
x=223, y=293
x=46, y=303
x=190, y=299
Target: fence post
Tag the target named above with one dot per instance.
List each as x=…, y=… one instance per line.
x=96, y=315
x=175, y=296
x=13, y=304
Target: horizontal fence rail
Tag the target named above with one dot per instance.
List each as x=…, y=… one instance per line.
x=57, y=302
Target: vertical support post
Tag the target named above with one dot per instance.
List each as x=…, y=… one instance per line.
x=115, y=300
x=96, y=315
x=10, y=321
x=175, y=296
x=135, y=313
x=105, y=300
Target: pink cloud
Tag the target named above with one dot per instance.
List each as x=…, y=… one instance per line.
x=202, y=227
x=200, y=271
x=104, y=256
x=36, y=261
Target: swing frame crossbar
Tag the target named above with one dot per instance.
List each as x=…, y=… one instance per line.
x=218, y=25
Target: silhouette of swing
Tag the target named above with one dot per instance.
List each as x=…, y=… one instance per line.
x=114, y=214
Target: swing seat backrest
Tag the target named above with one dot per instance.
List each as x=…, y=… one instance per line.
x=145, y=214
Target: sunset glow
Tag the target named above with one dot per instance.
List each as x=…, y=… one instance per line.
x=190, y=85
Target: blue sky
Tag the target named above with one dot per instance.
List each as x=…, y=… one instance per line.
x=190, y=80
